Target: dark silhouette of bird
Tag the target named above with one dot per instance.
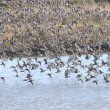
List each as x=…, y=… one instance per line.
x=95, y=62
x=35, y=59
x=95, y=58
x=13, y=67
x=79, y=76
x=91, y=68
x=76, y=70
x=15, y=70
x=11, y=59
x=100, y=72
x=45, y=60
x=79, y=61
x=39, y=62
x=87, y=57
x=95, y=81
x=49, y=68
x=104, y=63
x=2, y=78
x=87, y=79
x=22, y=71
x=92, y=76
x=3, y=64
x=24, y=64
x=42, y=70
x=105, y=79
x=20, y=67
x=79, y=54
x=31, y=81
x=27, y=70
x=18, y=63
x=49, y=75
x=28, y=76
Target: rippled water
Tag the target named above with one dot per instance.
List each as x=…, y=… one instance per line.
x=54, y=97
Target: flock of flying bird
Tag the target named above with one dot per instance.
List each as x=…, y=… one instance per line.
x=59, y=66
x=55, y=28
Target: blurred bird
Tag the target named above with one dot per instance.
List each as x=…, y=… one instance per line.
x=27, y=70
x=95, y=81
x=104, y=63
x=2, y=78
x=87, y=57
x=106, y=79
x=31, y=81
x=42, y=70
x=45, y=60
x=87, y=79
x=39, y=62
x=49, y=75
x=3, y=64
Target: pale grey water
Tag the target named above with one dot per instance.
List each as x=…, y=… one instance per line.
x=63, y=96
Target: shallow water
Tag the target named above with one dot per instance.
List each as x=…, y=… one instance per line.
x=54, y=97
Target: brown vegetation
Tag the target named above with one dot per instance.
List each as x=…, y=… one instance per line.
x=36, y=27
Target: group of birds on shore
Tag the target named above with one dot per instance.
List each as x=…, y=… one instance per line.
x=72, y=66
